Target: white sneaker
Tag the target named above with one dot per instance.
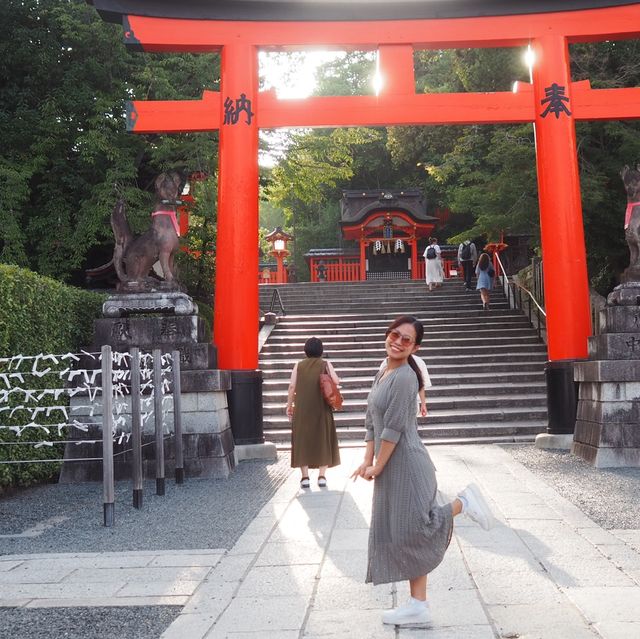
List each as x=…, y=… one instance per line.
x=476, y=508
x=414, y=614
x=305, y=483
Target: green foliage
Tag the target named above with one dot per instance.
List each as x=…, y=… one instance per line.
x=351, y=74
x=490, y=172
x=38, y=315
x=486, y=175
x=321, y=232
x=197, y=263
x=64, y=79
x=271, y=216
x=307, y=184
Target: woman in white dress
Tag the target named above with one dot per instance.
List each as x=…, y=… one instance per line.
x=433, y=264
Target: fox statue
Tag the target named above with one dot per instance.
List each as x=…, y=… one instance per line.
x=631, y=179
x=133, y=257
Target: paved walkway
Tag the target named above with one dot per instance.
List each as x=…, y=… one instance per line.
x=547, y=571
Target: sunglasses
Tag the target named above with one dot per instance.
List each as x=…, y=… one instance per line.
x=405, y=340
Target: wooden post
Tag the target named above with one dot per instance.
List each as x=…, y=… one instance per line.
x=107, y=439
x=177, y=417
x=413, y=242
x=136, y=428
x=157, y=415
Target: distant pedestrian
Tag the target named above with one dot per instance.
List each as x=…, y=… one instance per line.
x=434, y=273
x=409, y=532
x=467, y=258
x=485, y=273
x=314, y=442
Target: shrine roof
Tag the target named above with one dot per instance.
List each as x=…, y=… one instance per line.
x=307, y=10
x=357, y=205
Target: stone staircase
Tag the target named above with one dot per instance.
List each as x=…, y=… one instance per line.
x=487, y=368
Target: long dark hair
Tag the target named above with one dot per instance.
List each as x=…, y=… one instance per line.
x=484, y=261
x=419, y=328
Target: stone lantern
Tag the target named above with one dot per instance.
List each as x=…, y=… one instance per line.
x=278, y=240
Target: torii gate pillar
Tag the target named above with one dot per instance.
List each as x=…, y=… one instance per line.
x=563, y=247
x=236, y=308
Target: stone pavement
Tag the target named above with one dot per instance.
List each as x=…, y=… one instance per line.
x=546, y=571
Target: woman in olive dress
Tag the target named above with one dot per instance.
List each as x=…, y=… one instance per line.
x=314, y=442
x=409, y=531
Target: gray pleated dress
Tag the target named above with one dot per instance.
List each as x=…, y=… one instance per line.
x=409, y=532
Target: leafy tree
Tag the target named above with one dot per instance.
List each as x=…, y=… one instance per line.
x=66, y=157
x=197, y=262
x=271, y=216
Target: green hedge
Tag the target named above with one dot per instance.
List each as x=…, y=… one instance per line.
x=38, y=315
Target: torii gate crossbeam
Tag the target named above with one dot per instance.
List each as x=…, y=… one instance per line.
x=552, y=103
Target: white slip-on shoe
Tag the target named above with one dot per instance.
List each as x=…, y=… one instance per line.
x=411, y=615
x=322, y=481
x=305, y=483
x=476, y=508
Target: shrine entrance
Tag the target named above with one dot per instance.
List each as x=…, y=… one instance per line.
x=387, y=261
x=553, y=102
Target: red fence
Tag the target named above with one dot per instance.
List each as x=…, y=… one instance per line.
x=347, y=269
x=335, y=269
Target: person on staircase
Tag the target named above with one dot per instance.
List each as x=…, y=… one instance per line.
x=434, y=273
x=314, y=441
x=409, y=532
x=485, y=274
x=467, y=258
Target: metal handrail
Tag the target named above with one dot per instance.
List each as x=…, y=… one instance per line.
x=276, y=295
x=510, y=286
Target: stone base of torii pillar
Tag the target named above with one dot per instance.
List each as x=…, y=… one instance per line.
x=607, y=432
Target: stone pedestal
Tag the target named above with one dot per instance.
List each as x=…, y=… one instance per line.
x=607, y=432
x=169, y=323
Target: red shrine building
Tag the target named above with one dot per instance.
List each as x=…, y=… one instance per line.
x=552, y=101
x=390, y=227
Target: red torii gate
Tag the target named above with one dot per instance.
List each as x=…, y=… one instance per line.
x=552, y=102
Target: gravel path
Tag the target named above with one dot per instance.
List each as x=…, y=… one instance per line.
x=607, y=495
x=201, y=513
x=86, y=623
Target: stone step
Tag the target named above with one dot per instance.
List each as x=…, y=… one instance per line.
x=454, y=369
x=276, y=390
x=435, y=403
x=266, y=290
x=473, y=354
x=382, y=304
x=395, y=307
x=487, y=367
x=283, y=335
x=395, y=292
x=445, y=431
x=376, y=321
x=460, y=341
x=464, y=314
x=285, y=445
x=445, y=416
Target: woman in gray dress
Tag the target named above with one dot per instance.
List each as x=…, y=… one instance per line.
x=409, y=532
